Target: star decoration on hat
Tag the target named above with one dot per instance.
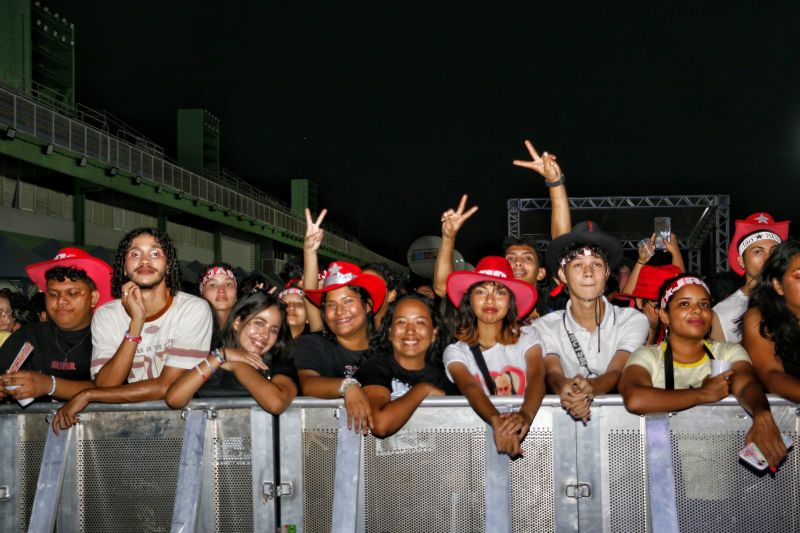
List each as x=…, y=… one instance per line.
x=335, y=269
x=762, y=219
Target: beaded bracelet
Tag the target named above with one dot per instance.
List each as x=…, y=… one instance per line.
x=133, y=339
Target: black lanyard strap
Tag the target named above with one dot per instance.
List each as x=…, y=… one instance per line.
x=487, y=377
x=669, y=372
x=576, y=347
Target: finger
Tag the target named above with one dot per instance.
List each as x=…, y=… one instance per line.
x=369, y=417
x=349, y=419
x=525, y=164
x=532, y=150
x=54, y=423
x=308, y=217
x=462, y=204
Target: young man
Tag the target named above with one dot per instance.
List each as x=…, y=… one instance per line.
x=150, y=335
x=520, y=252
x=587, y=345
x=74, y=284
x=752, y=242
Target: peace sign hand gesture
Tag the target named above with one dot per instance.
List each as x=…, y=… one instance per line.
x=314, y=231
x=453, y=220
x=545, y=164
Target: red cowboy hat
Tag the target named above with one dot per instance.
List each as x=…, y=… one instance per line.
x=498, y=270
x=755, y=223
x=650, y=280
x=343, y=274
x=97, y=269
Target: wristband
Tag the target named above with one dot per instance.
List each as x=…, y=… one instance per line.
x=53, y=388
x=220, y=355
x=135, y=340
x=208, y=365
x=554, y=184
x=200, y=372
x=640, y=262
x=347, y=382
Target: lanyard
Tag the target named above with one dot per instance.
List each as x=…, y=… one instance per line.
x=576, y=347
x=669, y=374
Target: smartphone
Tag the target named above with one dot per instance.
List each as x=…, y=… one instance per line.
x=662, y=227
x=753, y=456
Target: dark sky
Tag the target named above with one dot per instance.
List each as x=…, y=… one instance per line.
x=395, y=109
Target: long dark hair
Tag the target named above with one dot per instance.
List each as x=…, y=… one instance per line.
x=173, y=274
x=778, y=323
x=380, y=345
x=247, y=308
x=366, y=302
x=467, y=330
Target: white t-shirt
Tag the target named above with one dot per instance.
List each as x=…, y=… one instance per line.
x=622, y=328
x=729, y=311
x=506, y=363
x=179, y=337
x=651, y=358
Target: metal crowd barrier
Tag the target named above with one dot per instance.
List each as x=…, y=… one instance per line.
x=226, y=465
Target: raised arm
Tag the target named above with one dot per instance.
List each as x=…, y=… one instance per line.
x=560, y=221
x=452, y=220
x=115, y=371
x=675, y=251
x=311, y=244
x=646, y=252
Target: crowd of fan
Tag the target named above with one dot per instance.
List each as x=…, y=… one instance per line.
x=581, y=321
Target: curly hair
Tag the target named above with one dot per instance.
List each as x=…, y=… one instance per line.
x=61, y=273
x=248, y=307
x=467, y=329
x=173, y=274
x=385, y=273
x=366, y=301
x=381, y=345
x=778, y=323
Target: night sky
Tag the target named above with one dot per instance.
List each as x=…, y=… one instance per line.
x=396, y=111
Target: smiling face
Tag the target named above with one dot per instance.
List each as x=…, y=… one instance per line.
x=69, y=303
x=345, y=313
x=585, y=276
x=412, y=331
x=259, y=334
x=688, y=314
x=490, y=302
x=524, y=263
x=145, y=262
x=220, y=292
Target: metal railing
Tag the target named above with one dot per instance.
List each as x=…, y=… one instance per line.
x=32, y=118
x=144, y=467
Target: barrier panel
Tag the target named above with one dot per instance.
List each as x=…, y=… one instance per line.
x=226, y=465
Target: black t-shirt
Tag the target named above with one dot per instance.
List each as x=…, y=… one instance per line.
x=387, y=372
x=63, y=354
x=224, y=383
x=312, y=352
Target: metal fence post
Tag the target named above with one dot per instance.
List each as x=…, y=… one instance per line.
x=48, y=488
x=498, y=488
x=347, y=480
x=190, y=474
x=660, y=475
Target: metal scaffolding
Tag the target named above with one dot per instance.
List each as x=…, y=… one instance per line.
x=698, y=220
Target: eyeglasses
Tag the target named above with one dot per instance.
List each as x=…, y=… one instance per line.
x=7, y=314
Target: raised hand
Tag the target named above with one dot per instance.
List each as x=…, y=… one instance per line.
x=647, y=248
x=545, y=164
x=235, y=355
x=452, y=220
x=314, y=232
x=133, y=302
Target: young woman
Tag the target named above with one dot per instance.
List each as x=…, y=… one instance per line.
x=348, y=300
x=493, y=355
x=293, y=297
x=256, y=350
x=771, y=325
x=404, y=366
x=217, y=286
x=675, y=375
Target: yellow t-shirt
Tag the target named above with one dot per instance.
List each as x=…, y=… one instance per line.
x=690, y=375
x=3, y=336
